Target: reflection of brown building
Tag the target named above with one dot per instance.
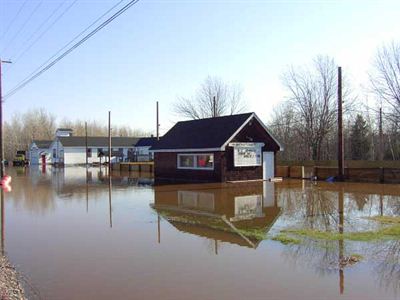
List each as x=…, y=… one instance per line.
x=238, y=214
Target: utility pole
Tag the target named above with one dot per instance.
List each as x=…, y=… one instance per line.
x=1, y=123
x=380, y=135
x=109, y=143
x=214, y=108
x=340, y=128
x=157, y=123
x=86, y=145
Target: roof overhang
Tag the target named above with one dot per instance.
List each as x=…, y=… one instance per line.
x=188, y=150
x=223, y=147
x=253, y=115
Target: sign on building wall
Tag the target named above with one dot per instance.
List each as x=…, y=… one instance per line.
x=247, y=154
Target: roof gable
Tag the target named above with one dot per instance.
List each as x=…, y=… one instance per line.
x=201, y=134
x=42, y=144
x=211, y=134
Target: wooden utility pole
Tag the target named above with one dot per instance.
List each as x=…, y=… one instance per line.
x=214, y=108
x=340, y=128
x=157, y=123
x=109, y=143
x=1, y=123
x=380, y=135
x=86, y=144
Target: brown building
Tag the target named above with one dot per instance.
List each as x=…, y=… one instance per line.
x=229, y=148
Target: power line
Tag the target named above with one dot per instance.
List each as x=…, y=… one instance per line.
x=13, y=20
x=45, y=31
x=23, y=26
x=76, y=45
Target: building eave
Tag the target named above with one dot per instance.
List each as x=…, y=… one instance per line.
x=186, y=150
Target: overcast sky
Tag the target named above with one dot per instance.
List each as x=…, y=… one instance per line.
x=159, y=50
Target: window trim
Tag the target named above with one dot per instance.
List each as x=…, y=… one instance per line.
x=195, y=161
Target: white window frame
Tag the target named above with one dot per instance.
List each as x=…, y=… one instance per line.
x=195, y=161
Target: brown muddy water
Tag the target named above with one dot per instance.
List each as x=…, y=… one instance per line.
x=78, y=235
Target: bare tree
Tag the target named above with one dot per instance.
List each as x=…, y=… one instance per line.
x=228, y=100
x=313, y=98
x=385, y=79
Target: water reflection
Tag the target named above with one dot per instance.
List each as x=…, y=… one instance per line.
x=36, y=189
x=238, y=214
x=340, y=208
x=163, y=245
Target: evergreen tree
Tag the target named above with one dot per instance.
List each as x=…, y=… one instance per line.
x=360, y=145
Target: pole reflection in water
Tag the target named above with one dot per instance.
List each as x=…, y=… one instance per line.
x=3, y=230
x=159, y=228
x=341, y=241
x=109, y=198
x=87, y=189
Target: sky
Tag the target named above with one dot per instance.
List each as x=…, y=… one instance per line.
x=161, y=50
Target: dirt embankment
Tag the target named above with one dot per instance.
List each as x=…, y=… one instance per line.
x=10, y=287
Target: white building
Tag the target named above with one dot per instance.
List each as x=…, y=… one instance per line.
x=142, y=149
x=39, y=152
x=71, y=150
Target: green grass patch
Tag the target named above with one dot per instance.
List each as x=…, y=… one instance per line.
x=285, y=239
x=385, y=219
x=385, y=233
x=258, y=234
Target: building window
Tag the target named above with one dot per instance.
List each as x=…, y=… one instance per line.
x=89, y=152
x=54, y=153
x=203, y=161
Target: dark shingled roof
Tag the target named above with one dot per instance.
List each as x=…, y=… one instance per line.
x=146, y=142
x=98, y=141
x=203, y=133
x=64, y=129
x=42, y=143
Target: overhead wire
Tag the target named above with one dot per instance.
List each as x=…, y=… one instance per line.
x=13, y=20
x=34, y=75
x=22, y=53
x=22, y=27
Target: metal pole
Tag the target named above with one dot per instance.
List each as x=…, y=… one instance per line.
x=1, y=124
x=158, y=123
x=340, y=128
x=109, y=143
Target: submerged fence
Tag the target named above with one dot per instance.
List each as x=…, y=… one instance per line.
x=362, y=171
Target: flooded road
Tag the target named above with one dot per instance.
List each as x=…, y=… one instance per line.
x=78, y=235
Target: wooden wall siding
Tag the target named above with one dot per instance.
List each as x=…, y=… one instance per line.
x=166, y=168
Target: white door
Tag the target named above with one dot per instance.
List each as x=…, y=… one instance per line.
x=268, y=165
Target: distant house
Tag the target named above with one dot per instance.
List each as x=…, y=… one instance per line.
x=228, y=148
x=142, y=149
x=39, y=152
x=70, y=150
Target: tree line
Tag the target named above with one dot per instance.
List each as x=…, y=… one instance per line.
x=38, y=124
x=305, y=122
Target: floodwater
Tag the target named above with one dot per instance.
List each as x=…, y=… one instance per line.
x=81, y=235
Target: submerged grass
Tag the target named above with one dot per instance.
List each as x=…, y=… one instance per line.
x=285, y=239
x=384, y=233
x=385, y=219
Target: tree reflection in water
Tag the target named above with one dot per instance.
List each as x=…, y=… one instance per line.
x=340, y=208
